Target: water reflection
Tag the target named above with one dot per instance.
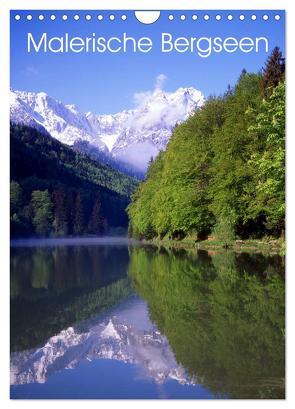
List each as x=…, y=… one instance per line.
x=125, y=335
x=222, y=313
x=55, y=287
x=215, y=319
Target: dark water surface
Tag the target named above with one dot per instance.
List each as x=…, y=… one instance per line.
x=108, y=318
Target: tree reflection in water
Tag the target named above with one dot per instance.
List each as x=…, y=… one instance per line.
x=223, y=314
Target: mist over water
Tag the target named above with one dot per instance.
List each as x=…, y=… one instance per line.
x=71, y=241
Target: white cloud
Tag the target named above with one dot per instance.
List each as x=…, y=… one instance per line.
x=160, y=81
x=156, y=108
x=140, y=98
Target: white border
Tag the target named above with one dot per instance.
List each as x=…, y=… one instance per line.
x=5, y=6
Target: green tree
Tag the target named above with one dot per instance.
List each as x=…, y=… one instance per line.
x=173, y=200
x=15, y=197
x=42, y=212
x=185, y=177
x=224, y=229
x=232, y=144
x=268, y=190
x=222, y=170
x=140, y=211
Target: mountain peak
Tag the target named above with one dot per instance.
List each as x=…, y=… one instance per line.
x=130, y=136
x=42, y=95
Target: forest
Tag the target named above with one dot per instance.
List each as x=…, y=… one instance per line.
x=223, y=172
x=55, y=191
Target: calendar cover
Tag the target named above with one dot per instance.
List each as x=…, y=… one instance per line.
x=147, y=204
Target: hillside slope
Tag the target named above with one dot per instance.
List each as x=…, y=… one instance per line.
x=79, y=195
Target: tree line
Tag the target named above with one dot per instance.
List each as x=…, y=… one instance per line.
x=223, y=172
x=58, y=213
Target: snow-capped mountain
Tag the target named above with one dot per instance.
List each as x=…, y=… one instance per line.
x=64, y=122
x=113, y=337
x=131, y=136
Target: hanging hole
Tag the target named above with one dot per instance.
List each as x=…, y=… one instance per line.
x=147, y=17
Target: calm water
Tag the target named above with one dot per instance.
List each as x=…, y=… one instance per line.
x=106, y=318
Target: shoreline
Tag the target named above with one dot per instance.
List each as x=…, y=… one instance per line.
x=274, y=246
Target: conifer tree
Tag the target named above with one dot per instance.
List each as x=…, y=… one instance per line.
x=96, y=224
x=60, y=214
x=79, y=216
x=242, y=75
x=273, y=72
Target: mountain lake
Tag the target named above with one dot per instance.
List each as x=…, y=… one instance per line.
x=110, y=318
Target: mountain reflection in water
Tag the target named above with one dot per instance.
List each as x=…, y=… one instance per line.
x=113, y=337
x=210, y=320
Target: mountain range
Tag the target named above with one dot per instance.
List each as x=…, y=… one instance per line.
x=130, y=137
x=117, y=336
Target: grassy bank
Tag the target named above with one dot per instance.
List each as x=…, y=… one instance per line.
x=265, y=245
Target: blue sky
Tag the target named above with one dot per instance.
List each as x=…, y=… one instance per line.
x=106, y=83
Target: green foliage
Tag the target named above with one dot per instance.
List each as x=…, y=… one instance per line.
x=231, y=145
x=269, y=165
x=16, y=201
x=15, y=197
x=142, y=214
x=224, y=230
x=223, y=316
x=174, y=198
x=222, y=171
x=42, y=212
